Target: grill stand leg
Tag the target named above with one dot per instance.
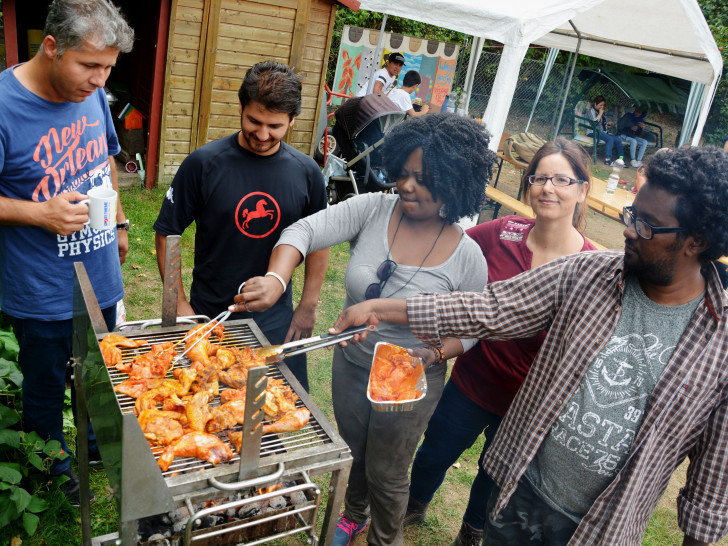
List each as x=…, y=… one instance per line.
x=337, y=490
x=82, y=455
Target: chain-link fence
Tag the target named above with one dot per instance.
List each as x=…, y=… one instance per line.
x=544, y=116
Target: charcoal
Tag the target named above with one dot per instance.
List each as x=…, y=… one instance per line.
x=297, y=497
x=158, y=540
x=230, y=513
x=277, y=503
x=250, y=510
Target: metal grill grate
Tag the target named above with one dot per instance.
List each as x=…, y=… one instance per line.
x=239, y=335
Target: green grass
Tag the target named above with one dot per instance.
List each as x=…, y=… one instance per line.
x=60, y=524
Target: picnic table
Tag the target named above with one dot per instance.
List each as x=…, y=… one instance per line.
x=609, y=205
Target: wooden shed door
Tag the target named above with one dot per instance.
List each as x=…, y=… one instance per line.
x=214, y=42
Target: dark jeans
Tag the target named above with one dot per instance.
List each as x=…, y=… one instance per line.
x=453, y=428
x=45, y=348
x=382, y=445
x=527, y=519
x=611, y=141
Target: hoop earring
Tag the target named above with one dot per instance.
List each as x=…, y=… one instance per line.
x=443, y=212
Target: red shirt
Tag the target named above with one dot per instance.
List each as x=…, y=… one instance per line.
x=491, y=373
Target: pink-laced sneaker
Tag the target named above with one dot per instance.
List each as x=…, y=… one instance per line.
x=347, y=530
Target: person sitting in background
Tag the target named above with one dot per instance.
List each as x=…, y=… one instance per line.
x=630, y=129
x=401, y=96
x=400, y=245
x=598, y=113
x=485, y=380
x=385, y=77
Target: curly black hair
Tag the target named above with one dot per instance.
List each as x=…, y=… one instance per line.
x=699, y=177
x=457, y=163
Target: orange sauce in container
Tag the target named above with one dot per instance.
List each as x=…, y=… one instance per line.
x=394, y=375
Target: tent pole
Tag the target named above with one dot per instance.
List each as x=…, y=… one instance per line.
x=571, y=73
x=475, y=52
x=554, y=129
x=553, y=52
x=377, y=56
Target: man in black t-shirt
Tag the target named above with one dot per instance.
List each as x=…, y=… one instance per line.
x=242, y=191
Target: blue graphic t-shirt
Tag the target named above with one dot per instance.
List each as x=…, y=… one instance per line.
x=46, y=149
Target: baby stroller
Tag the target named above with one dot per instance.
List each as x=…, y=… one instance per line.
x=360, y=128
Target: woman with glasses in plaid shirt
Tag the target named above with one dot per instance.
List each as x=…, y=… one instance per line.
x=400, y=245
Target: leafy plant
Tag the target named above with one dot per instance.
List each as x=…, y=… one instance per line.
x=22, y=465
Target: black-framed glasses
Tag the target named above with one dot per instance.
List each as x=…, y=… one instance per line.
x=559, y=181
x=643, y=229
x=384, y=271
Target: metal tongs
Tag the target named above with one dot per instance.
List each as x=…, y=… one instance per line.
x=275, y=353
x=203, y=332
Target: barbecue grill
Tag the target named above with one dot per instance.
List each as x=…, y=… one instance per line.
x=142, y=489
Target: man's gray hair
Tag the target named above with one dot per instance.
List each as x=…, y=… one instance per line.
x=97, y=22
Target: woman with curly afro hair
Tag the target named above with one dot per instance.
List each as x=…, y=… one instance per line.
x=400, y=245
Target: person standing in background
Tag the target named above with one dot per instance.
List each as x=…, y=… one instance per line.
x=44, y=174
x=386, y=77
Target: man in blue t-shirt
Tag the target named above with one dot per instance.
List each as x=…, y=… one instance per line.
x=242, y=191
x=56, y=142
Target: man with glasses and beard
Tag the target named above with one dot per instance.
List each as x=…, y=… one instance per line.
x=242, y=191
x=630, y=380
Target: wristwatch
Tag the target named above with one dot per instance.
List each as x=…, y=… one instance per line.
x=123, y=225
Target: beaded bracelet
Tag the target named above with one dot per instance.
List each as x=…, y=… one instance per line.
x=439, y=353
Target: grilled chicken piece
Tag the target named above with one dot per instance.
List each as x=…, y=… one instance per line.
x=185, y=376
x=228, y=395
x=110, y=347
x=154, y=397
x=203, y=350
x=236, y=438
x=196, y=444
x=207, y=380
x=291, y=421
x=236, y=377
x=226, y=416
x=197, y=411
x=162, y=427
x=225, y=357
x=154, y=363
x=136, y=387
x=250, y=358
x=279, y=399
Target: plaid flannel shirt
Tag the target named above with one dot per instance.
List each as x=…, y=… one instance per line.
x=578, y=299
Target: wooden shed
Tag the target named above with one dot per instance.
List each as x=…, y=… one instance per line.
x=211, y=45
x=189, y=61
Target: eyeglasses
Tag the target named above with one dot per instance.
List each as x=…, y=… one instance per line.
x=559, y=181
x=384, y=271
x=643, y=229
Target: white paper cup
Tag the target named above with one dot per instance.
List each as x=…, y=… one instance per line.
x=101, y=208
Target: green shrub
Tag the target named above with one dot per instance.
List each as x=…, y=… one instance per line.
x=22, y=467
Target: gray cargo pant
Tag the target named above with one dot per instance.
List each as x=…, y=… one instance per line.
x=382, y=444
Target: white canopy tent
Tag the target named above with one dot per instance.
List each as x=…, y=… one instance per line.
x=664, y=36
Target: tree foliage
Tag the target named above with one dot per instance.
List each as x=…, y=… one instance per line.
x=716, y=127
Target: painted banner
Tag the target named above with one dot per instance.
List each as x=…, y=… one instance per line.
x=435, y=61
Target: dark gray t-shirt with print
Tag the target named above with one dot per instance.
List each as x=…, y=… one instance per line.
x=589, y=442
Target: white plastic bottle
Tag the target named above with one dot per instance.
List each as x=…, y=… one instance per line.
x=613, y=180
